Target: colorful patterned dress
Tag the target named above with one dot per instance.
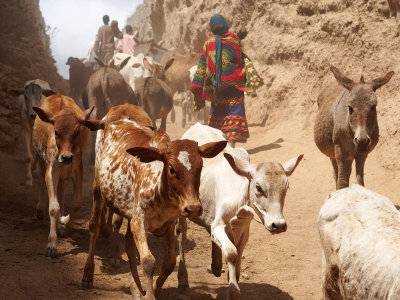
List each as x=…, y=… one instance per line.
x=227, y=103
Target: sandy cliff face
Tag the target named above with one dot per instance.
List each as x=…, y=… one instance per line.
x=24, y=55
x=292, y=44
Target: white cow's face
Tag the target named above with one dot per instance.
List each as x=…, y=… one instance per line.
x=267, y=195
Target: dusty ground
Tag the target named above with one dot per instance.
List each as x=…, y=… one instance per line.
x=285, y=266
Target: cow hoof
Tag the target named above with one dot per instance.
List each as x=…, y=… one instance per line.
x=87, y=283
x=39, y=214
x=51, y=252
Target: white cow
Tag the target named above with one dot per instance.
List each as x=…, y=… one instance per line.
x=360, y=237
x=232, y=193
x=134, y=69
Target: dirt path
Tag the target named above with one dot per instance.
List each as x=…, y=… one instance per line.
x=285, y=266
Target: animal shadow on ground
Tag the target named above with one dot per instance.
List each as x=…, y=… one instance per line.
x=259, y=291
x=273, y=145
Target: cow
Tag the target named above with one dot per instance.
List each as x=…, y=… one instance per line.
x=33, y=93
x=60, y=135
x=79, y=74
x=360, y=236
x=151, y=181
x=346, y=126
x=232, y=193
x=153, y=93
x=105, y=89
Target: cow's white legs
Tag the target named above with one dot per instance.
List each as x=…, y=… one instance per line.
x=240, y=248
x=94, y=228
x=230, y=254
x=52, y=177
x=169, y=260
x=181, y=232
x=147, y=260
x=60, y=197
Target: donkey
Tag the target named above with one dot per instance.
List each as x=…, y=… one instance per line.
x=346, y=127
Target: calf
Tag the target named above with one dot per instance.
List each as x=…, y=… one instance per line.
x=346, y=127
x=32, y=94
x=360, y=236
x=151, y=181
x=59, y=138
x=154, y=95
x=232, y=193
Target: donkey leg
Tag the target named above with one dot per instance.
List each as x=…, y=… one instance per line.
x=360, y=161
x=341, y=163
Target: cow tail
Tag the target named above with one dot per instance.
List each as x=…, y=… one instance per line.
x=104, y=89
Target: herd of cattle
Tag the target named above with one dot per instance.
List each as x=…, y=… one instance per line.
x=156, y=184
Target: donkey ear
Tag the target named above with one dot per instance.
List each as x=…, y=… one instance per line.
x=148, y=65
x=146, y=154
x=342, y=79
x=100, y=62
x=45, y=117
x=169, y=64
x=123, y=64
x=378, y=82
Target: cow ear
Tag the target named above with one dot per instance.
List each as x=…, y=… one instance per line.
x=124, y=62
x=146, y=154
x=100, y=62
x=148, y=65
x=86, y=114
x=342, y=79
x=168, y=64
x=212, y=149
x=291, y=165
x=45, y=117
x=93, y=125
x=15, y=92
x=378, y=82
x=48, y=93
x=240, y=166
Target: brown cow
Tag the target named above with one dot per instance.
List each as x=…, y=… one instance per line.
x=346, y=127
x=59, y=138
x=32, y=94
x=153, y=93
x=151, y=181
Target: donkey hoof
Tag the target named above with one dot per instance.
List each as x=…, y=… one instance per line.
x=51, y=252
x=87, y=283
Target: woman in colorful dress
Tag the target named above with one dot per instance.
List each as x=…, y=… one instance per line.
x=221, y=78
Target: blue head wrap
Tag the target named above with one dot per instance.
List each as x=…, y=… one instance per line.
x=219, y=27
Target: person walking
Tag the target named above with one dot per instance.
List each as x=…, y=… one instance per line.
x=221, y=78
x=128, y=42
x=104, y=45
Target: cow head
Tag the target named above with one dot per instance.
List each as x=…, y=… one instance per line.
x=361, y=106
x=32, y=96
x=267, y=191
x=182, y=169
x=67, y=129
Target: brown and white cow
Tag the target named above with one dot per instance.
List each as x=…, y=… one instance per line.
x=60, y=135
x=33, y=92
x=151, y=181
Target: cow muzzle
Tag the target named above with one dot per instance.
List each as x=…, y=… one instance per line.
x=277, y=227
x=192, y=210
x=66, y=158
